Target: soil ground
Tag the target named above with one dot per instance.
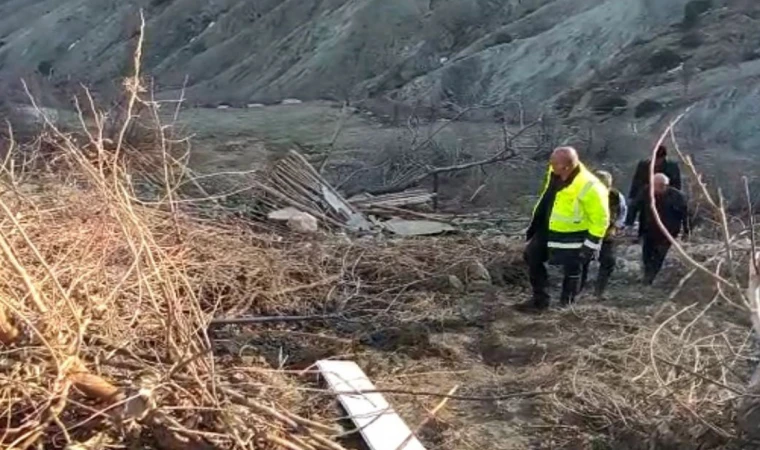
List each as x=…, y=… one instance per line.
x=476, y=341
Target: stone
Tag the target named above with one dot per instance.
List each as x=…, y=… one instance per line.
x=480, y=286
x=454, y=283
x=303, y=223
x=416, y=227
x=476, y=271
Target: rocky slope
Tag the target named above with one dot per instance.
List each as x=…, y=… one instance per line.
x=626, y=63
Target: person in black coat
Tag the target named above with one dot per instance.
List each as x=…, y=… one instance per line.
x=673, y=211
x=661, y=165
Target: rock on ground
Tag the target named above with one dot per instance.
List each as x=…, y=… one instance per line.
x=303, y=223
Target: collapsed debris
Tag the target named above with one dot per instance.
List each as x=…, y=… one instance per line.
x=297, y=188
x=411, y=197
x=293, y=182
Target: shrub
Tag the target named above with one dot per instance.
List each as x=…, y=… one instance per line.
x=647, y=108
x=664, y=60
x=692, y=39
x=693, y=10
x=502, y=37
x=607, y=103
x=45, y=68
x=567, y=101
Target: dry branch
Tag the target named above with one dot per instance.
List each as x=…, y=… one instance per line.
x=746, y=298
x=507, y=153
x=88, y=263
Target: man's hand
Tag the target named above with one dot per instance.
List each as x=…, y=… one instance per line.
x=588, y=253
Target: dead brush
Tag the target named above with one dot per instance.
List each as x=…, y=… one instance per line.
x=662, y=383
x=104, y=303
x=104, y=329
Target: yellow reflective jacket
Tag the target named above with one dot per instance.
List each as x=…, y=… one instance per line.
x=580, y=214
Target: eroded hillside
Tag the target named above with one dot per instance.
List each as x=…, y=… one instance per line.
x=617, y=67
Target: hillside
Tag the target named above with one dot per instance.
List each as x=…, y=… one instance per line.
x=617, y=68
x=606, y=73
x=577, y=57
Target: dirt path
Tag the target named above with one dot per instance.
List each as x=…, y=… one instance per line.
x=591, y=364
x=491, y=350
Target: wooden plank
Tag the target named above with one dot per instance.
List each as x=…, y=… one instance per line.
x=381, y=427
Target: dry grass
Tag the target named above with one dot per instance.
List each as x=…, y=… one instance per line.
x=106, y=300
x=666, y=381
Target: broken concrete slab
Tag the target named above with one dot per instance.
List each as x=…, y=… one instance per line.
x=403, y=227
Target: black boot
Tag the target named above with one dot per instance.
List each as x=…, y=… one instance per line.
x=567, y=299
x=584, y=276
x=570, y=287
x=601, y=286
x=649, y=277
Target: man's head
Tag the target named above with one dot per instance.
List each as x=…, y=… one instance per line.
x=605, y=177
x=563, y=161
x=662, y=154
x=661, y=183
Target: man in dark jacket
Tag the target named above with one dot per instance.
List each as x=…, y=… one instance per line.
x=607, y=258
x=661, y=165
x=569, y=222
x=673, y=212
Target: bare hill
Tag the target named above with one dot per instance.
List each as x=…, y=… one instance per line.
x=622, y=63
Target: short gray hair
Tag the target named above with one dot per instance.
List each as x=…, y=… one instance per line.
x=661, y=177
x=605, y=177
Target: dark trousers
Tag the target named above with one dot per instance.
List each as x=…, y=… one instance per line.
x=607, y=261
x=536, y=255
x=653, y=253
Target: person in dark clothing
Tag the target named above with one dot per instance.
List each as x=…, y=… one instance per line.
x=661, y=165
x=673, y=212
x=607, y=258
x=568, y=224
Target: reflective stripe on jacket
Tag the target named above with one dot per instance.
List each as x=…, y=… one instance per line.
x=580, y=213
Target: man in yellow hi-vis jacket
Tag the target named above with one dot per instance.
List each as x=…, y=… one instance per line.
x=569, y=222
